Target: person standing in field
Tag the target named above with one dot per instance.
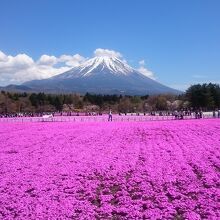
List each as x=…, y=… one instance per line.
x=110, y=115
x=200, y=114
x=213, y=114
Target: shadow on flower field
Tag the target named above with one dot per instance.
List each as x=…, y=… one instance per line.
x=119, y=170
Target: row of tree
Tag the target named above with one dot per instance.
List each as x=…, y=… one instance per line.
x=39, y=100
x=205, y=96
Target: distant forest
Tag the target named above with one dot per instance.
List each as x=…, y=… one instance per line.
x=200, y=96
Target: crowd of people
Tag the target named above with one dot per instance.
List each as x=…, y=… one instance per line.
x=214, y=114
x=23, y=114
x=197, y=114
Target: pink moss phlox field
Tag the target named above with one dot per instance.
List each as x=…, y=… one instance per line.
x=115, y=170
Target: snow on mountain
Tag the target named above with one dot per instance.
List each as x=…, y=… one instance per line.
x=115, y=65
x=100, y=64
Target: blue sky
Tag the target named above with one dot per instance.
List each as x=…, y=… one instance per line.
x=178, y=40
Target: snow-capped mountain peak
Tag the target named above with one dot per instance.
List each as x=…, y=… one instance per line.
x=99, y=65
x=112, y=64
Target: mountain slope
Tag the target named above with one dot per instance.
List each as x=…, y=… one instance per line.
x=16, y=88
x=104, y=75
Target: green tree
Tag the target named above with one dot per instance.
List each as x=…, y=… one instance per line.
x=206, y=96
x=58, y=103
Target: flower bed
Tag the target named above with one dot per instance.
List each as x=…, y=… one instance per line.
x=117, y=170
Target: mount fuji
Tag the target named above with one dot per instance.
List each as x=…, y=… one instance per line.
x=101, y=75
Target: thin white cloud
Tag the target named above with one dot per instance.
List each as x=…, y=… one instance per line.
x=10, y=64
x=142, y=69
x=146, y=72
x=105, y=52
x=197, y=76
x=47, y=60
x=72, y=61
x=21, y=68
x=3, y=57
x=141, y=62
